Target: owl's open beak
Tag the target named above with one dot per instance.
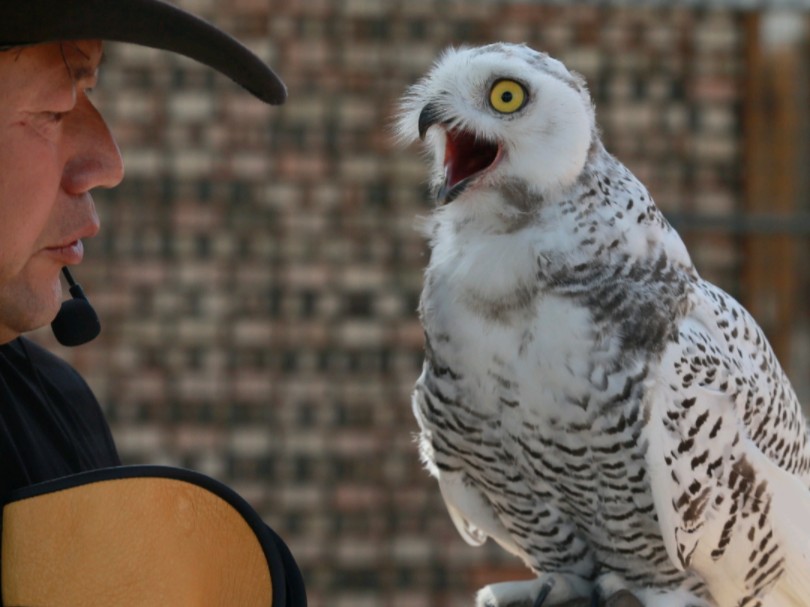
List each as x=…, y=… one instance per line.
x=465, y=158
x=465, y=155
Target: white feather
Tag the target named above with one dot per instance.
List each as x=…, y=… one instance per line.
x=587, y=400
x=777, y=513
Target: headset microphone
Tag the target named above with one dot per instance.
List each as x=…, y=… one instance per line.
x=77, y=322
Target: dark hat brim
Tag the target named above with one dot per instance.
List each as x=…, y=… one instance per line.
x=152, y=23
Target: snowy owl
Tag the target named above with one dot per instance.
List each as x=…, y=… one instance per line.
x=587, y=400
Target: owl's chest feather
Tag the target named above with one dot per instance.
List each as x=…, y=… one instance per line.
x=552, y=398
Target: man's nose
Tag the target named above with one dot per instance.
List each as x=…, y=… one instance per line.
x=93, y=157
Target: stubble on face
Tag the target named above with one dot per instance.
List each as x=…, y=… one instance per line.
x=42, y=84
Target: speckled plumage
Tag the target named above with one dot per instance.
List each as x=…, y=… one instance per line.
x=587, y=400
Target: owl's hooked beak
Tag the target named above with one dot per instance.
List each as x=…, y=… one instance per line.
x=429, y=116
x=466, y=156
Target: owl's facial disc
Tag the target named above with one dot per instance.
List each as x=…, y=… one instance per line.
x=466, y=157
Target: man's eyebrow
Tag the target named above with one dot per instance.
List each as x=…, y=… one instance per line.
x=84, y=69
x=83, y=72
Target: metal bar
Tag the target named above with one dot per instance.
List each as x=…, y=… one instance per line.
x=748, y=223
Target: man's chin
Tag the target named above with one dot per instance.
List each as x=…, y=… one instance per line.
x=25, y=310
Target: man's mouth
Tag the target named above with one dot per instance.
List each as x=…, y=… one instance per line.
x=465, y=158
x=68, y=253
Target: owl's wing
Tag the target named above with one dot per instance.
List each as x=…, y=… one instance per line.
x=465, y=504
x=468, y=509
x=729, y=459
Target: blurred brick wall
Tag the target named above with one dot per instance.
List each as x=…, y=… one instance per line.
x=258, y=271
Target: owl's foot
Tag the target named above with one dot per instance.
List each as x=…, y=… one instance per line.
x=548, y=590
x=618, y=594
x=565, y=590
x=623, y=598
x=671, y=598
x=611, y=590
x=561, y=590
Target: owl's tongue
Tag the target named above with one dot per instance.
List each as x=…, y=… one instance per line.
x=464, y=157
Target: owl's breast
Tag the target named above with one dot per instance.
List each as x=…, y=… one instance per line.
x=546, y=415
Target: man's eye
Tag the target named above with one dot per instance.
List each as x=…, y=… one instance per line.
x=47, y=124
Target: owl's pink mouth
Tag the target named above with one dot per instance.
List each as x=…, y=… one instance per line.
x=465, y=158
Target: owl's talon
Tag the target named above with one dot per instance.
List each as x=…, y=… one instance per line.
x=545, y=590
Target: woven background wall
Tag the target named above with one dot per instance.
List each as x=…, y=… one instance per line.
x=258, y=271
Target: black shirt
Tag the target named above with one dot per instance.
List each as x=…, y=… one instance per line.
x=51, y=425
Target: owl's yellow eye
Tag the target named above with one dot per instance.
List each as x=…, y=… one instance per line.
x=507, y=96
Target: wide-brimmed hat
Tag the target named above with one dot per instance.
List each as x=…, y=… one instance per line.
x=152, y=23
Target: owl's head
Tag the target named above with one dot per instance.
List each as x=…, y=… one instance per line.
x=499, y=113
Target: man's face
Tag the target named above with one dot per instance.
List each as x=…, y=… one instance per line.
x=54, y=148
